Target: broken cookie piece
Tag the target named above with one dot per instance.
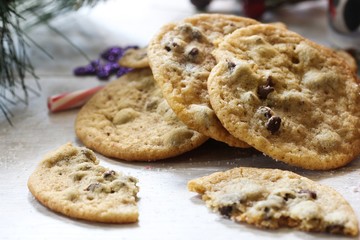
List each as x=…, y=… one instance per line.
x=272, y=199
x=71, y=181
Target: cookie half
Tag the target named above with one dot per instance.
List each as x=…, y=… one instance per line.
x=70, y=181
x=272, y=198
x=288, y=97
x=180, y=58
x=130, y=120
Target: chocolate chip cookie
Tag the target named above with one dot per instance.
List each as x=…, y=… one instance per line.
x=180, y=58
x=130, y=120
x=70, y=181
x=292, y=99
x=272, y=198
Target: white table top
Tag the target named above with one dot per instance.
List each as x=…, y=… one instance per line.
x=167, y=209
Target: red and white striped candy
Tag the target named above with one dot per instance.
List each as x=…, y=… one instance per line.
x=65, y=101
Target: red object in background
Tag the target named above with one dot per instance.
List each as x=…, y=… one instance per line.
x=70, y=100
x=332, y=9
x=254, y=8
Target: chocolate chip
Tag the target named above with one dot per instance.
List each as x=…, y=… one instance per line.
x=196, y=35
x=226, y=211
x=92, y=187
x=273, y=124
x=288, y=196
x=312, y=194
x=267, y=214
x=194, y=52
x=336, y=228
x=231, y=65
x=109, y=173
x=189, y=31
x=173, y=46
x=264, y=90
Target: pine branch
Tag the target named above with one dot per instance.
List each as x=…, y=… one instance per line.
x=17, y=17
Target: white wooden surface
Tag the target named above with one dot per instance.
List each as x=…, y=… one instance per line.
x=167, y=209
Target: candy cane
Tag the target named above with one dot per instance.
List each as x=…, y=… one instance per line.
x=65, y=101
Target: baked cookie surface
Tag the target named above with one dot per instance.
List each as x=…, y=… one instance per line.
x=135, y=58
x=130, y=120
x=349, y=59
x=272, y=198
x=181, y=60
x=288, y=97
x=70, y=181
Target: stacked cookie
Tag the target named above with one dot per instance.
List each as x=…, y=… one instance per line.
x=239, y=81
x=235, y=80
x=130, y=120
